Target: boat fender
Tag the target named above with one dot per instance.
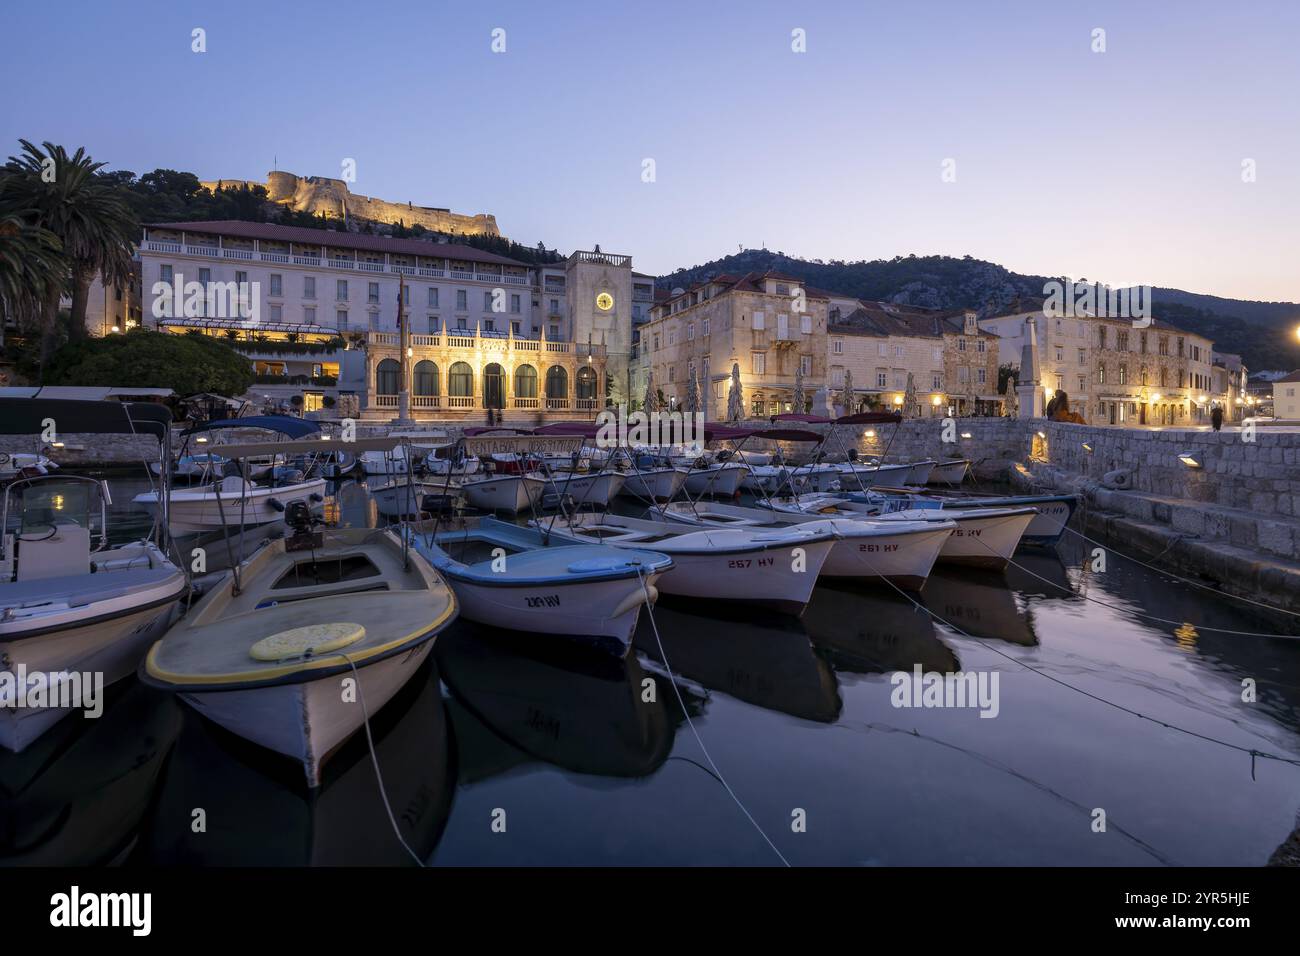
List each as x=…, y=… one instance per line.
x=275, y=504
x=316, y=498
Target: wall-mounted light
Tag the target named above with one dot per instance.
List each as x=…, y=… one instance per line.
x=898, y=399
x=869, y=433
x=201, y=440
x=1188, y=459
x=409, y=351
x=117, y=328
x=1087, y=447
x=1155, y=397
x=965, y=434
x=1042, y=434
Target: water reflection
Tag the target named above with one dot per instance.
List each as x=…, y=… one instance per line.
x=257, y=811
x=875, y=632
x=567, y=704
x=770, y=663
x=76, y=796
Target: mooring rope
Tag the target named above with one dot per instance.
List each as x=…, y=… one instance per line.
x=663, y=655
x=1252, y=752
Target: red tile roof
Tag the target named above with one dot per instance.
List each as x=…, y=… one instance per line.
x=888, y=318
x=341, y=240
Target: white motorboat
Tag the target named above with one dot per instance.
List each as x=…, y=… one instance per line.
x=984, y=537
x=918, y=473
x=507, y=576
x=1052, y=512
x=231, y=503
x=902, y=553
x=311, y=634
x=950, y=472
x=654, y=484
x=721, y=480
x=591, y=490
x=775, y=568
x=856, y=475
x=509, y=493
x=73, y=610
x=397, y=460
x=403, y=498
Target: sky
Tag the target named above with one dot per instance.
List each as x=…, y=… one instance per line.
x=1123, y=166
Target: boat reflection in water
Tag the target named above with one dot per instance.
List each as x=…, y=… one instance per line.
x=77, y=795
x=980, y=604
x=770, y=663
x=257, y=812
x=566, y=704
x=874, y=632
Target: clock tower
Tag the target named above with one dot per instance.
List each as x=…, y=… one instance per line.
x=598, y=287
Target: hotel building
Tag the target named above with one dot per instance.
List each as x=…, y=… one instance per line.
x=487, y=332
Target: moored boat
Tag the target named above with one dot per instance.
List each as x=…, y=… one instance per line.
x=507, y=576
x=295, y=647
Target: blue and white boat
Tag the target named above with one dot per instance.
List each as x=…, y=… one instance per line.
x=506, y=576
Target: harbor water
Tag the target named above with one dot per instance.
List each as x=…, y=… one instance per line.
x=1135, y=720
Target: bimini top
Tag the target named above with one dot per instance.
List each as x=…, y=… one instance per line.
x=30, y=416
x=284, y=424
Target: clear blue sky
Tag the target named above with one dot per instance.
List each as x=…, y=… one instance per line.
x=1123, y=166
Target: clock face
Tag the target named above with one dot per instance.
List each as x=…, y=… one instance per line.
x=604, y=302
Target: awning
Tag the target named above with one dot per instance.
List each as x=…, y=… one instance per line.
x=82, y=393
x=30, y=416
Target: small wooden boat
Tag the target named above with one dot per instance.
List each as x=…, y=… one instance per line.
x=506, y=576
x=286, y=649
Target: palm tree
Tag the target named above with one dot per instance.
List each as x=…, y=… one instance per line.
x=64, y=195
x=31, y=262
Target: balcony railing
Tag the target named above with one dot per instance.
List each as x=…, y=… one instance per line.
x=526, y=403
x=353, y=265
x=557, y=404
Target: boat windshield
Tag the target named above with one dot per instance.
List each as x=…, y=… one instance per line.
x=57, y=501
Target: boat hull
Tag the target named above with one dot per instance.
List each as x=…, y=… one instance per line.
x=112, y=647
x=604, y=609
x=759, y=577
x=904, y=559
x=584, y=490
x=308, y=720
x=509, y=493
x=984, y=542
x=659, y=484
x=949, y=473
x=193, y=512
x=719, y=481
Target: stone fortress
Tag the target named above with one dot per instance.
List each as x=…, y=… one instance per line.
x=318, y=194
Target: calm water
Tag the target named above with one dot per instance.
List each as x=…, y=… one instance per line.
x=557, y=740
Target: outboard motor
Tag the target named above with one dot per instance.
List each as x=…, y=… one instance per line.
x=300, y=522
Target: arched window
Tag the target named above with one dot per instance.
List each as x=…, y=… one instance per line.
x=426, y=378
x=460, y=381
x=387, y=374
x=494, y=386
x=557, y=382
x=586, y=382
x=525, y=382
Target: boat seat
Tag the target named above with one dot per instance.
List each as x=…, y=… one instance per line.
x=310, y=640
x=65, y=552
